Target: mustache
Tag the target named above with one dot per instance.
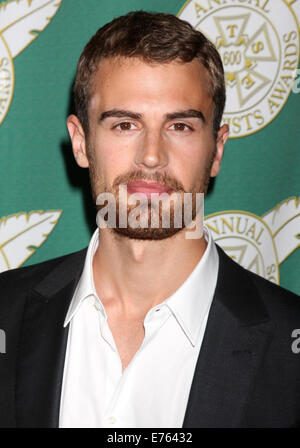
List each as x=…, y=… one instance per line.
x=162, y=178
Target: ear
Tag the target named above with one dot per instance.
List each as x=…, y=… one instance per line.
x=220, y=143
x=78, y=141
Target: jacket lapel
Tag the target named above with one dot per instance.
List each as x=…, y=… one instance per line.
x=43, y=345
x=237, y=334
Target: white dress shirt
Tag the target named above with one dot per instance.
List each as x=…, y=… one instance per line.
x=153, y=390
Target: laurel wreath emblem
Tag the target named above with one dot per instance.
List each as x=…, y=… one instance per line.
x=21, y=22
x=21, y=234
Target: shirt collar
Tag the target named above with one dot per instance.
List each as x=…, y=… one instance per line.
x=189, y=304
x=85, y=287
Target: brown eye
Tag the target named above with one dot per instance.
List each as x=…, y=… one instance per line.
x=180, y=127
x=125, y=126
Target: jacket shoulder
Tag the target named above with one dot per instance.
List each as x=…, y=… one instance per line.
x=15, y=283
x=39, y=269
x=280, y=303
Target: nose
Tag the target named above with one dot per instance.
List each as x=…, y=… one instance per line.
x=152, y=151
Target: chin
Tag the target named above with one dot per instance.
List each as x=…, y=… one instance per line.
x=147, y=233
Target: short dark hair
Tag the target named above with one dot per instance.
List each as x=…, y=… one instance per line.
x=153, y=37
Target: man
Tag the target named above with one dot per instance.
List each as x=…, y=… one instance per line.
x=148, y=327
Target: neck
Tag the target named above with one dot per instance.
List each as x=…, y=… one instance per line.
x=136, y=275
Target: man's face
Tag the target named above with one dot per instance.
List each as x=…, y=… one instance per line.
x=151, y=123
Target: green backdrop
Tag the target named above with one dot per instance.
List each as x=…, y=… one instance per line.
x=260, y=171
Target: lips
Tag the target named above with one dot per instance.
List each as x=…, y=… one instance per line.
x=147, y=188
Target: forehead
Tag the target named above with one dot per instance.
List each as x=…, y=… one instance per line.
x=132, y=82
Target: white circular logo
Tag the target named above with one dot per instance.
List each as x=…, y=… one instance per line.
x=248, y=240
x=6, y=78
x=259, y=46
x=21, y=22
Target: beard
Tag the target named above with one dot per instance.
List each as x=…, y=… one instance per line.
x=170, y=210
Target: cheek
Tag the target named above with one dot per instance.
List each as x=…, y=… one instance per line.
x=192, y=166
x=111, y=158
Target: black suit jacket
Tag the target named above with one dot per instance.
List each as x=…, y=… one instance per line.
x=246, y=375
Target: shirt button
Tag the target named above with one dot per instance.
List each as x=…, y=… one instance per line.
x=112, y=420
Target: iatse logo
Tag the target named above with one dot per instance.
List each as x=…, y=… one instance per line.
x=259, y=45
x=258, y=243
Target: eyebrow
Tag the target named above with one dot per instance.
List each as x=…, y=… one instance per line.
x=119, y=113
x=190, y=113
